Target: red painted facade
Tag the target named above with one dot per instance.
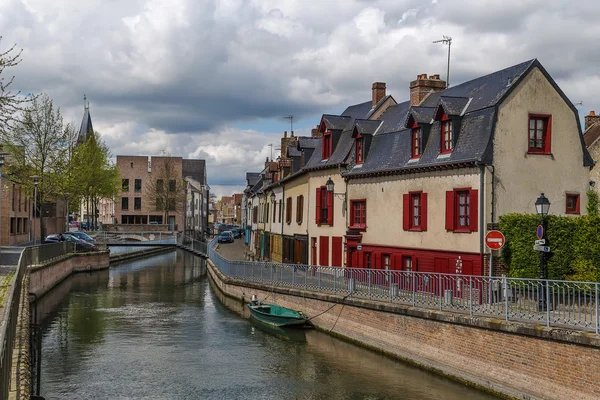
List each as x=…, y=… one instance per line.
x=404, y=258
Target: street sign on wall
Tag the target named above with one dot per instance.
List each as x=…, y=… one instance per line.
x=494, y=240
x=545, y=249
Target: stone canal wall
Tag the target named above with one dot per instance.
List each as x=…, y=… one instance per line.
x=513, y=359
x=44, y=277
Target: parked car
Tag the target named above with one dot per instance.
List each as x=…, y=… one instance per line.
x=81, y=244
x=237, y=233
x=225, y=237
x=82, y=235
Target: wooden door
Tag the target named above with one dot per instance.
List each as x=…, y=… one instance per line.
x=324, y=250
x=336, y=251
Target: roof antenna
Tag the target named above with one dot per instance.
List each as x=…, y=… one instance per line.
x=579, y=104
x=446, y=40
x=291, y=118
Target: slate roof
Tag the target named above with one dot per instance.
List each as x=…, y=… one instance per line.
x=194, y=169
x=305, y=142
x=475, y=100
x=335, y=122
x=86, y=127
x=365, y=126
x=252, y=178
x=591, y=135
x=345, y=143
x=454, y=105
x=293, y=151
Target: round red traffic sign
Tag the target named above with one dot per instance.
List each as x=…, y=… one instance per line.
x=540, y=232
x=494, y=240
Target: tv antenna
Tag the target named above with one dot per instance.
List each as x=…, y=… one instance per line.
x=446, y=40
x=291, y=118
x=579, y=104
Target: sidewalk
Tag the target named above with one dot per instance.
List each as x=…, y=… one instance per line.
x=232, y=251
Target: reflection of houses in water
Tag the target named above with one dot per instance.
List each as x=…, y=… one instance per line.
x=175, y=268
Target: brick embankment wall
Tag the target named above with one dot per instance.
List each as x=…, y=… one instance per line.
x=44, y=277
x=510, y=358
x=20, y=381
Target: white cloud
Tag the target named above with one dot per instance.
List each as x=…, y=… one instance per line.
x=180, y=75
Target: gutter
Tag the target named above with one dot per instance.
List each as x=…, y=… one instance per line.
x=482, y=204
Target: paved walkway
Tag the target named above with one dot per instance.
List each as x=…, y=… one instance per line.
x=232, y=251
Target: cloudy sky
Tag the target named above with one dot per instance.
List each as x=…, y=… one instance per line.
x=214, y=79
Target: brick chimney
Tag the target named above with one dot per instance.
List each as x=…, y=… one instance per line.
x=378, y=92
x=285, y=142
x=591, y=119
x=315, y=132
x=420, y=88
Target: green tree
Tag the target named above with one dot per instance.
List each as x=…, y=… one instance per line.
x=95, y=176
x=35, y=143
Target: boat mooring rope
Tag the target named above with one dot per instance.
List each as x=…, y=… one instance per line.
x=340, y=313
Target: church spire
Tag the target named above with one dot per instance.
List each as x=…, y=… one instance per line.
x=86, y=129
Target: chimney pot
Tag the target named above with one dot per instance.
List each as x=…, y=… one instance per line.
x=292, y=134
x=284, y=134
x=592, y=113
x=591, y=119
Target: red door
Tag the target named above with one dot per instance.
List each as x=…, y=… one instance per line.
x=324, y=250
x=336, y=251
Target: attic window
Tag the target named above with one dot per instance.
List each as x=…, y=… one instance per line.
x=326, y=145
x=415, y=142
x=539, y=134
x=447, y=135
x=359, y=150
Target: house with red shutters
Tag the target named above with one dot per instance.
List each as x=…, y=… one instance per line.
x=424, y=185
x=416, y=185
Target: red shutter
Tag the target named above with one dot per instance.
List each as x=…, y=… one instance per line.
x=450, y=211
x=474, y=206
x=324, y=250
x=377, y=264
x=406, y=212
x=318, y=209
x=424, y=211
x=397, y=262
x=336, y=251
x=330, y=208
x=415, y=264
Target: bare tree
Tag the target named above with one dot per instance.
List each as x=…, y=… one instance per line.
x=11, y=103
x=167, y=193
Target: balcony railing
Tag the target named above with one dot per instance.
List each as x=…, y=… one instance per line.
x=548, y=302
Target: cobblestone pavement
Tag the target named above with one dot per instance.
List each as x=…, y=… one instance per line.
x=232, y=251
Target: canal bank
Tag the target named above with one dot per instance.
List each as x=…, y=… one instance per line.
x=496, y=360
x=153, y=328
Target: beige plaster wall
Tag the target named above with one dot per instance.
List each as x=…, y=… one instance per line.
x=521, y=177
x=384, y=209
x=296, y=187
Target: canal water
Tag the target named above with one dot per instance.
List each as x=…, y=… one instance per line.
x=156, y=329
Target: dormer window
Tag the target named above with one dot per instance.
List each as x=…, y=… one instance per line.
x=326, y=145
x=447, y=135
x=415, y=141
x=359, y=150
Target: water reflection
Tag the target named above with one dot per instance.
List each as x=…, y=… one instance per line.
x=155, y=329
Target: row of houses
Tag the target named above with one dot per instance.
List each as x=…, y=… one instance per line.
x=416, y=185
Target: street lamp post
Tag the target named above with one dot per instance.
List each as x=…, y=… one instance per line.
x=542, y=206
x=35, y=185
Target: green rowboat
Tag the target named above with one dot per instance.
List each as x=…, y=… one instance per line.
x=271, y=314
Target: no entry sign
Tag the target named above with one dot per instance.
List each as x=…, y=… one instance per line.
x=494, y=240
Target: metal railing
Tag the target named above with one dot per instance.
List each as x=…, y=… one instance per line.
x=549, y=302
x=104, y=238
x=192, y=244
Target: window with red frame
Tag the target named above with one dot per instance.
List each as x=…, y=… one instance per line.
x=415, y=211
x=539, y=133
x=416, y=142
x=447, y=136
x=572, y=203
x=324, y=206
x=326, y=151
x=359, y=150
x=359, y=214
x=461, y=210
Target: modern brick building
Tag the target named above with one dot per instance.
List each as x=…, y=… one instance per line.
x=139, y=174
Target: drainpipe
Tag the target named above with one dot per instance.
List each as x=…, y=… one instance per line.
x=491, y=267
x=481, y=202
